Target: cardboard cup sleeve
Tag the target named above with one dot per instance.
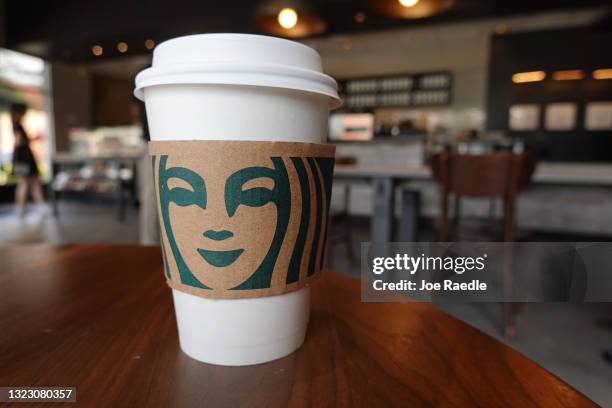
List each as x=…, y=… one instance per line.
x=242, y=219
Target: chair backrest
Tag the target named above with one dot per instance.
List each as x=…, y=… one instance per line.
x=345, y=160
x=488, y=175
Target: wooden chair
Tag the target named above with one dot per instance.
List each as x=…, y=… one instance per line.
x=497, y=175
x=340, y=231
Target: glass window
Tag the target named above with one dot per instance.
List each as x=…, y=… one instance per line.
x=24, y=79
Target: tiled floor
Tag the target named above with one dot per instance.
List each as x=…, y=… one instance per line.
x=566, y=339
x=77, y=223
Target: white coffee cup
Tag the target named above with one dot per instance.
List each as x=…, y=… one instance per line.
x=238, y=87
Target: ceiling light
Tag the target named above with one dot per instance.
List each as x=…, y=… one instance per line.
x=408, y=3
x=410, y=8
x=360, y=17
x=568, y=75
x=287, y=18
x=501, y=28
x=531, y=76
x=97, y=50
x=122, y=47
x=149, y=44
x=605, y=73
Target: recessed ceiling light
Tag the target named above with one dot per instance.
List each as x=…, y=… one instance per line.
x=97, y=50
x=605, y=73
x=408, y=3
x=122, y=47
x=568, y=75
x=287, y=18
x=290, y=18
x=149, y=44
x=410, y=8
x=501, y=28
x=530, y=76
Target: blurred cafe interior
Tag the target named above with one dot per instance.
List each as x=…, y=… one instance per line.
x=422, y=82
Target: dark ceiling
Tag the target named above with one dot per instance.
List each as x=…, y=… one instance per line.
x=67, y=29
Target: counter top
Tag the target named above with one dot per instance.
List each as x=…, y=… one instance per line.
x=546, y=173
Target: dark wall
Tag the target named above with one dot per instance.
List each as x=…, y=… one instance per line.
x=71, y=95
x=549, y=51
x=112, y=100
x=2, y=24
x=81, y=99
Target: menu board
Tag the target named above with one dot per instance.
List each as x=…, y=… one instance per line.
x=404, y=90
x=523, y=117
x=598, y=116
x=560, y=116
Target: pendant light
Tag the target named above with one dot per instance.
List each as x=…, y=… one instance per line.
x=410, y=9
x=289, y=18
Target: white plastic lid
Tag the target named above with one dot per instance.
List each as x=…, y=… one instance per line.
x=238, y=59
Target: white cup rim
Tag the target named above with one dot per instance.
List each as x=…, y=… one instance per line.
x=260, y=72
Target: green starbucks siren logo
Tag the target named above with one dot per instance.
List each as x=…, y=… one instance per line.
x=249, y=187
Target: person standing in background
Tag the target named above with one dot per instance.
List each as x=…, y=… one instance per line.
x=24, y=163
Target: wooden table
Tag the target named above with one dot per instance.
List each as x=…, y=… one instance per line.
x=384, y=180
x=100, y=318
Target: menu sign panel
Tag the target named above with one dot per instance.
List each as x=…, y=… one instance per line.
x=422, y=89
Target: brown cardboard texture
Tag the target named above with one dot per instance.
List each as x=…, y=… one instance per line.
x=242, y=219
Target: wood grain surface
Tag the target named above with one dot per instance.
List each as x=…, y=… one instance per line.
x=100, y=318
